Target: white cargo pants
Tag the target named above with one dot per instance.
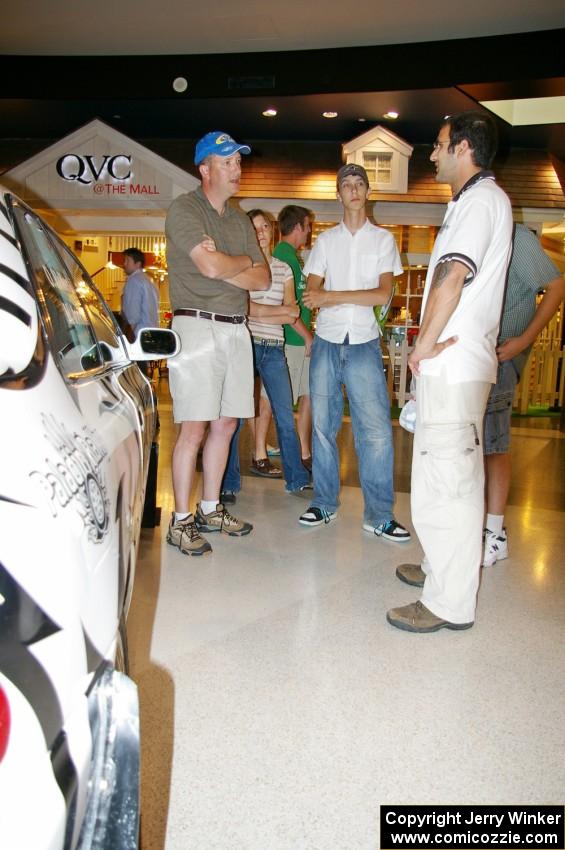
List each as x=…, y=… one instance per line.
x=448, y=492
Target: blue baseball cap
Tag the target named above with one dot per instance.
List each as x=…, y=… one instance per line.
x=219, y=144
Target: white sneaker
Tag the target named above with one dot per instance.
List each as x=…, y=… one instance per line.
x=496, y=547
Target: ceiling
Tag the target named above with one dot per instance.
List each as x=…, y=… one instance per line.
x=128, y=27
x=62, y=65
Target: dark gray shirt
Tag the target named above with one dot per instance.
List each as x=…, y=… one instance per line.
x=189, y=218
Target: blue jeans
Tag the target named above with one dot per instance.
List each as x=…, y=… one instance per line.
x=360, y=369
x=232, y=476
x=270, y=365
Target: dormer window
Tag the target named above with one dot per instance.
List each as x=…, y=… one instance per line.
x=378, y=167
x=385, y=158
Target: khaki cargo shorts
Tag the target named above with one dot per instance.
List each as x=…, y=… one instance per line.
x=212, y=376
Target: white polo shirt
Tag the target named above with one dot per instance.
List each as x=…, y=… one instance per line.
x=351, y=261
x=476, y=231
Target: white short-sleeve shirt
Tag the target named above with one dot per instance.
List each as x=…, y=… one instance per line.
x=351, y=261
x=476, y=231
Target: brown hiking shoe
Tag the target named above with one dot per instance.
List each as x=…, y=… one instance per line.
x=264, y=468
x=221, y=520
x=417, y=618
x=411, y=574
x=186, y=537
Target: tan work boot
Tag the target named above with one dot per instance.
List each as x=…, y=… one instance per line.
x=411, y=574
x=186, y=537
x=417, y=618
x=221, y=520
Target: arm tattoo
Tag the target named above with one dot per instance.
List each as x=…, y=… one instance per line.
x=440, y=273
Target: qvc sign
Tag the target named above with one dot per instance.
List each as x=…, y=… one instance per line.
x=86, y=169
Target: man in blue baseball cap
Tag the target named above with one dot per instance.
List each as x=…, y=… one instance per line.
x=214, y=260
x=218, y=144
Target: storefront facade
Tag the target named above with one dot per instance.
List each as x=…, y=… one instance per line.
x=104, y=192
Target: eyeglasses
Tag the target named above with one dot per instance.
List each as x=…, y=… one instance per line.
x=437, y=145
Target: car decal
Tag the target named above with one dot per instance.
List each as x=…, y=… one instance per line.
x=11, y=239
x=19, y=326
x=66, y=776
x=16, y=311
x=13, y=501
x=93, y=656
x=77, y=478
x=15, y=276
x=23, y=623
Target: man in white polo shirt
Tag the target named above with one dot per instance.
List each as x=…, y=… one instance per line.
x=454, y=361
x=350, y=270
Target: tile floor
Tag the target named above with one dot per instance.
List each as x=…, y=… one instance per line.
x=280, y=710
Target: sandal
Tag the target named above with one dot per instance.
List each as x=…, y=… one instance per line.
x=264, y=468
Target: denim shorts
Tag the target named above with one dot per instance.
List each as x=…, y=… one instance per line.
x=499, y=410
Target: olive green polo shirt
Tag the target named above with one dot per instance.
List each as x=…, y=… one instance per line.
x=189, y=219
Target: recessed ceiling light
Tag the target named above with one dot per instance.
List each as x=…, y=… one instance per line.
x=329, y=114
x=180, y=84
x=269, y=113
x=362, y=119
x=391, y=114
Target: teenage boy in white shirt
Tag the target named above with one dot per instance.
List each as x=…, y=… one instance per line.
x=350, y=271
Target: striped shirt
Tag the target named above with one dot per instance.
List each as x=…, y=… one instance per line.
x=274, y=296
x=529, y=273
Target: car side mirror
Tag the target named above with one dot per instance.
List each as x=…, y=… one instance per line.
x=154, y=344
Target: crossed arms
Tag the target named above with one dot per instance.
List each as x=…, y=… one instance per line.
x=285, y=314
x=239, y=270
x=315, y=296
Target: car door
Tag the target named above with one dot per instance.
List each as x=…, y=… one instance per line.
x=97, y=427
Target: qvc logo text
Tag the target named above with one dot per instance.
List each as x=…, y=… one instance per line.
x=85, y=169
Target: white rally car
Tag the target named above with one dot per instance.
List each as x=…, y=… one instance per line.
x=77, y=421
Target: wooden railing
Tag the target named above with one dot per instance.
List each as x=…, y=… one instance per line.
x=543, y=379
x=542, y=383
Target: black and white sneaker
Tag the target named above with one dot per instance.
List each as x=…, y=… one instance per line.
x=391, y=530
x=317, y=516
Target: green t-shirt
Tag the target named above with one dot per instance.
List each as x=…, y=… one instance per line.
x=285, y=252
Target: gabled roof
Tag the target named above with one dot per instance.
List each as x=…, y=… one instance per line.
x=153, y=184
x=378, y=135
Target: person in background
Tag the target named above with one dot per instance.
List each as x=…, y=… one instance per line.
x=140, y=297
x=530, y=272
x=214, y=261
x=294, y=226
x=350, y=270
x=268, y=311
x=454, y=361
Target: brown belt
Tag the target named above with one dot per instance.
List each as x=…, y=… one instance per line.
x=214, y=317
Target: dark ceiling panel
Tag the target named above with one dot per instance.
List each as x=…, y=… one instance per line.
x=48, y=97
